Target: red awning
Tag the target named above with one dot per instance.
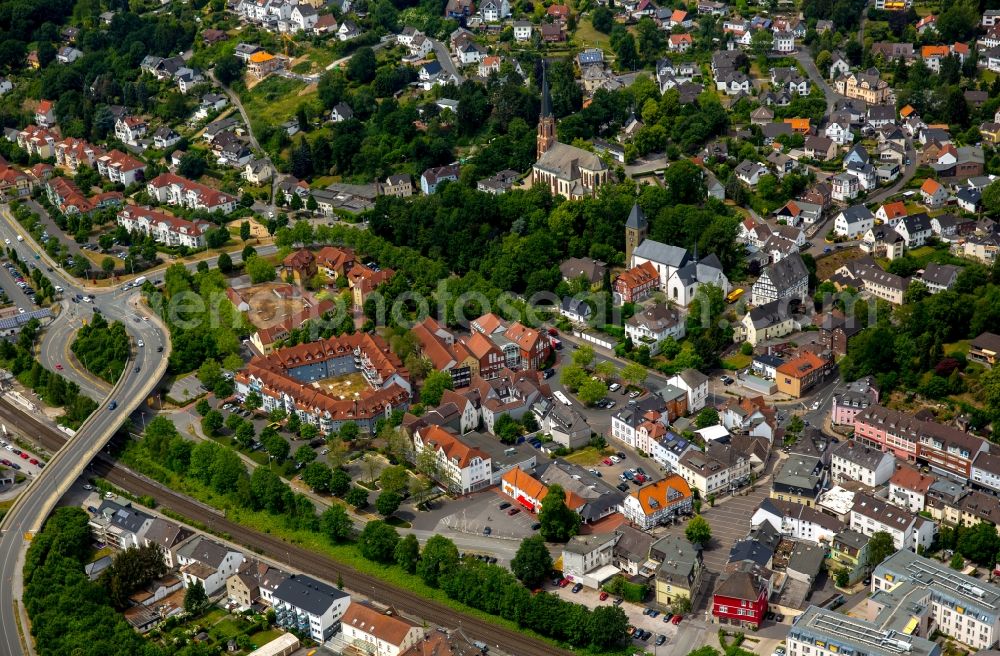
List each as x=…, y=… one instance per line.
x=524, y=502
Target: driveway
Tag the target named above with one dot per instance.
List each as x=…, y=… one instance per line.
x=805, y=59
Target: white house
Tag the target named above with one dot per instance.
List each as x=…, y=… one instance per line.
x=852, y=461
x=462, y=468
x=933, y=193
x=657, y=502
x=839, y=132
x=695, y=385
x=379, y=632
x=916, y=229
x=853, y=222
x=652, y=325
x=909, y=531
x=908, y=488
x=130, y=129
x=309, y=606
x=209, y=562
x=749, y=173
x=494, y=11
x=797, y=521
x=784, y=42
x=844, y=187
x=522, y=30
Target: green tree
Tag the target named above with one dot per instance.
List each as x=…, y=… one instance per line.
x=335, y=524
x=318, y=476
x=393, y=479
x=377, y=541
x=202, y=407
x=572, y=377
x=957, y=562
x=407, y=553
x=698, y=531
x=245, y=231
x=634, y=374
x=434, y=386
x=761, y=43
x=533, y=562
x=707, y=417
x=602, y=19
x=387, y=503
x=277, y=447
x=980, y=543
x=304, y=455
x=228, y=69
x=583, y=356
x=591, y=391
x=195, y=599
x=559, y=522
x=607, y=627
x=880, y=547
x=362, y=66
x=843, y=577
x=260, y=270
x=357, y=497
x=108, y=265
x=225, y=263
x=212, y=423
x=438, y=558
x=340, y=483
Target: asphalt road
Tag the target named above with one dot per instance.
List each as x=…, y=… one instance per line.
x=33, y=506
x=512, y=642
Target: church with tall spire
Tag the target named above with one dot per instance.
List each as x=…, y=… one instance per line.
x=567, y=170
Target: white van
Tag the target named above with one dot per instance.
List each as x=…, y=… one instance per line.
x=562, y=397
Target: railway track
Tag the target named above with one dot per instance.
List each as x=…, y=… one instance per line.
x=278, y=550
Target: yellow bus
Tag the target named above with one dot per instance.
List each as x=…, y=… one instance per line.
x=734, y=295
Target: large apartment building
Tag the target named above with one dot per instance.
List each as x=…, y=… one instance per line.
x=164, y=228
x=175, y=190
x=937, y=597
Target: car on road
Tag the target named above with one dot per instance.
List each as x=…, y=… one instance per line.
x=141, y=343
x=112, y=405
x=159, y=349
x=577, y=588
x=5, y=462
x=618, y=601
x=136, y=370
x=34, y=461
x=727, y=380
x=59, y=367
x=667, y=617
x=815, y=406
x=595, y=472
x=92, y=510
x=548, y=373
x=6, y=241
x=24, y=456
x=611, y=404
x=615, y=459
x=634, y=394
x=603, y=595
x=88, y=487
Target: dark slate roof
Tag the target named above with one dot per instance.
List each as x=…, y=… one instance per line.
x=785, y=273
x=636, y=218
x=305, y=592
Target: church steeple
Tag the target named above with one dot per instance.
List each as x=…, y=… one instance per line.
x=546, y=121
x=636, y=229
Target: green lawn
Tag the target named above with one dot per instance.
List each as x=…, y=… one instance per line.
x=586, y=457
x=587, y=36
x=275, y=100
x=261, y=638
x=737, y=361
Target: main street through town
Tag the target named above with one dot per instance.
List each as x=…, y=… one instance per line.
x=142, y=374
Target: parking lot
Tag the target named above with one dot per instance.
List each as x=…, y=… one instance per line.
x=16, y=458
x=486, y=513
x=19, y=294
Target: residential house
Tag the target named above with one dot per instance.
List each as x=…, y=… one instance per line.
x=254, y=582
x=941, y=593
x=915, y=229
x=587, y=559
x=718, y=469
x=678, y=576
x=462, y=468
x=168, y=536
x=985, y=471
x=657, y=503
x=310, y=606
x=820, y=148
x=175, y=190
x=380, y=632
x=258, y=172
x=985, y=349
x=908, y=488
x=796, y=521
x=798, y=376
x=786, y=279
x=765, y=322
x=695, y=386
x=636, y=283
x=211, y=563
x=583, y=268
x=846, y=187
x=740, y=599
x=853, y=461
x=398, y=185
x=852, y=399
x=799, y=479
x=940, y=277
x=650, y=326
x=853, y=222
x=432, y=177
x=870, y=515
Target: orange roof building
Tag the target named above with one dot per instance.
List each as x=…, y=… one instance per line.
x=891, y=212
x=287, y=379
x=637, y=283
x=364, y=624
x=797, y=376
x=800, y=125
x=529, y=492
x=460, y=467
x=658, y=502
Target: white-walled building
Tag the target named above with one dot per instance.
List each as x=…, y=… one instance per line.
x=210, y=562
x=852, y=461
x=310, y=606
x=464, y=468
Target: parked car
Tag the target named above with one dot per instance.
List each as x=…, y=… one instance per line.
x=614, y=387
x=536, y=526
x=677, y=619
x=660, y=639
x=603, y=595
x=513, y=511
x=563, y=583
x=577, y=588
x=487, y=531
x=505, y=505
x=607, y=461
